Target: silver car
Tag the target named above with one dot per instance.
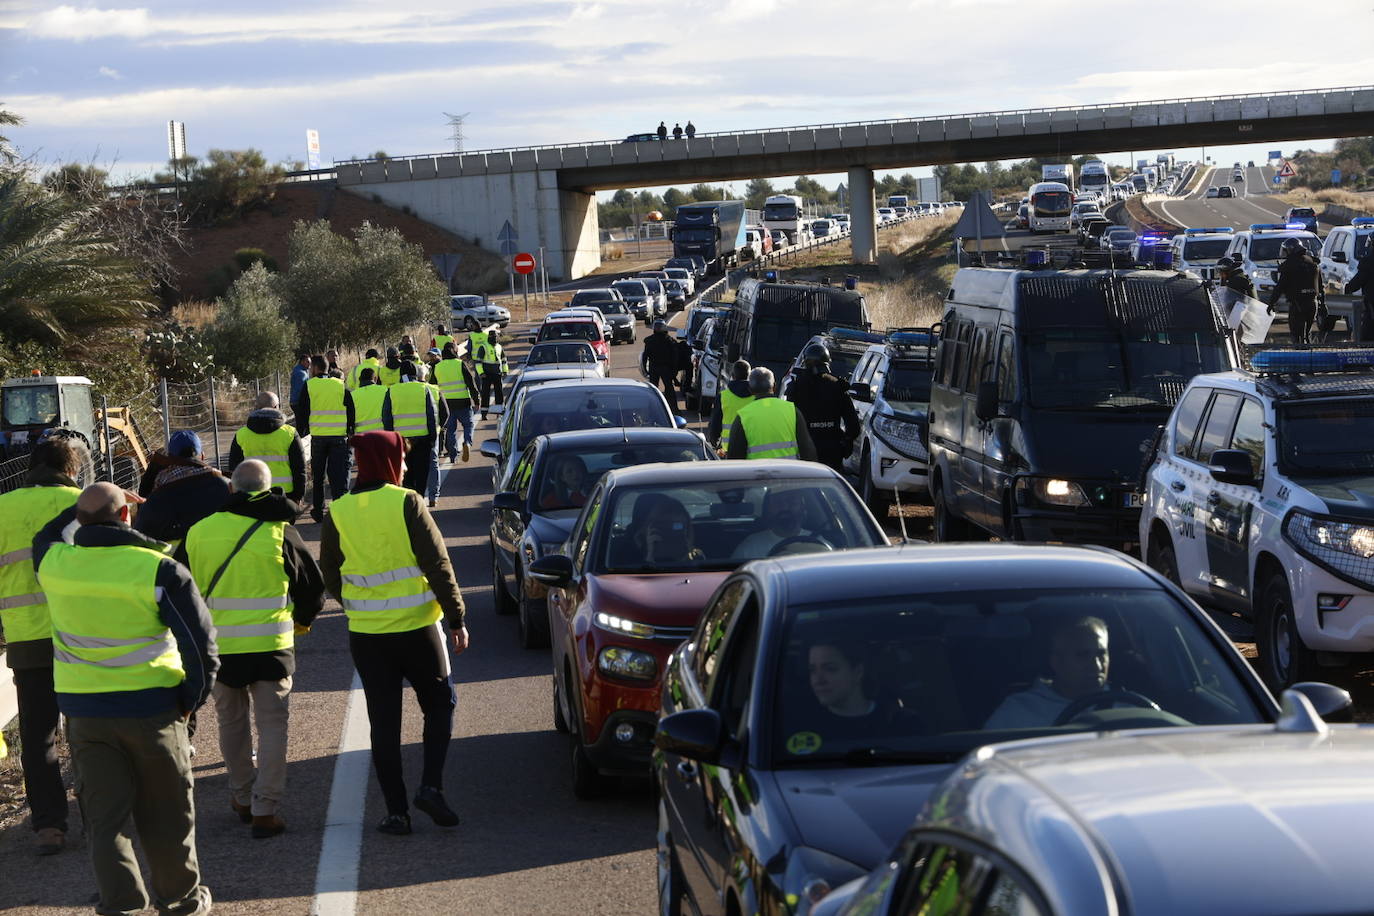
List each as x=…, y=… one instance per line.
x=474, y=312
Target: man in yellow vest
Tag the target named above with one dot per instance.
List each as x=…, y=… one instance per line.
x=371, y=360
x=384, y=559
x=368, y=399
x=133, y=656
x=441, y=338
x=325, y=413
x=441, y=406
x=390, y=372
x=50, y=492
x=268, y=438
x=410, y=410
x=457, y=386
x=730, y=398
x=491, y=362
x=476, y=341
x=769, y=427
x=261, y=584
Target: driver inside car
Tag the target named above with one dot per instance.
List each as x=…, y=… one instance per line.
x=783, y=513
x=1078, y=665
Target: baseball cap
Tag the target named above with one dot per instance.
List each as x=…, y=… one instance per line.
x=183, y=444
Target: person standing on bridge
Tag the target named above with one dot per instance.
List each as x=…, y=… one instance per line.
x=769, y=427
x=384, y=559
x=824, y=400
x=691, y=130
x=1298, y=280
x=268, y=438
x=677, y=131
x=659, y=361
x=1363, y=281
x=662, y=131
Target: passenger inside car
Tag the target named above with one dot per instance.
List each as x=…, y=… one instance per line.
x=1078, y=661
x=566, y=487
x=847, y=705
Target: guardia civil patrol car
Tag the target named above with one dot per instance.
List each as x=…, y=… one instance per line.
x=1196, y=251
x=1260, y=499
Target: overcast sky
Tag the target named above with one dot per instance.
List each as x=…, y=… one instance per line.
x=99, y=83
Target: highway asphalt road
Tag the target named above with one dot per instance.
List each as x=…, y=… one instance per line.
x=1255, y=202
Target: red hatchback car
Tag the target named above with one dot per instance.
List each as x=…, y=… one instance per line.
x=575, y=329
x=650, y=547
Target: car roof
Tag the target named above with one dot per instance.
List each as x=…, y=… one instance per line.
x=596, y=381
x=547, y=376
x=762, y=469
x=644, y=435
x=1167, y=807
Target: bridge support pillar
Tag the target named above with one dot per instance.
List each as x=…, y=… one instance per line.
x=863, y=215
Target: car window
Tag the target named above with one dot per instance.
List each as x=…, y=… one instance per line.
x=582, y=538
x=714, y=624
x=1249, y=435
x=1220, y=419
x=729, y=692
x=1006, y=369
x=864, y=371
x=977, y=360
x=1186, y=420
x=565, y=479
x=524, y=470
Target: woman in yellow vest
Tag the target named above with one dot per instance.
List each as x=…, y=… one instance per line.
x=769, y=427
x=268, y=438
x=384, y=559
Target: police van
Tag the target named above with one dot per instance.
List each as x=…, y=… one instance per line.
x=890, y=388
x=1258, y=251
x=1260, y=499
x=1196, y=251
x=1342, y=251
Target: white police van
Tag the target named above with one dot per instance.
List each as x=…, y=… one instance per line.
x=1260, y=499
x=1258, y=251
x=890, y=388
x=1342, y=251
x=1196, y=251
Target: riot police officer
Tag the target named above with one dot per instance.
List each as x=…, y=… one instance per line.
x=1233, y=279
x=824, y=400
x=1297, y=281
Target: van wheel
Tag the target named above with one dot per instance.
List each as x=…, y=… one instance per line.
x=501, y=598
x=947, y=526
x=1161, y=558
x=1283, y=659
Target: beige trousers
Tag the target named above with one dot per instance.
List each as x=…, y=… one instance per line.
x=266, y=704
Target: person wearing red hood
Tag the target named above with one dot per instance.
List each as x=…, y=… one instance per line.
x=383, y=557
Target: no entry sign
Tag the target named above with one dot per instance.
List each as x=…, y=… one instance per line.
x=523, y=263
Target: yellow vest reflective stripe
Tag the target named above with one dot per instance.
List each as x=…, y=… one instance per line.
x=388, y=377
x=770, y=425
x=408, y=403
x=730, y=406
x=440, y=340
x=367, y=408
x=23, y=608
x=384, y=590
x=368, y=362
x=107, y=633
x=449, y=374
x=273, y=449
x=477, y=345
x=327, y=414
x=251, y=603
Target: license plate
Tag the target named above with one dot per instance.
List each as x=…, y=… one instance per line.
x=1132, y=500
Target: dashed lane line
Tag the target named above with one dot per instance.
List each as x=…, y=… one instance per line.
x=336, y=878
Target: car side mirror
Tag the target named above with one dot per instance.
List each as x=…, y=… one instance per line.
x=1332, y=703
x=861, y=391
x=491, y=449
x=508, y=501
x=1231, y=465
x=697, y=734
x=554, y=569
x=985, y=404
x=1338, y=257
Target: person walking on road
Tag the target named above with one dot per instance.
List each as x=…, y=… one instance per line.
x=457, y=387
x=731, y=398
x=367, y=402
x=326, y=415
x=299, y=375
x=659, y=361
x=823, y=399
x=662, y=131
x=491, y=358
x=262, y=587
x=268, y=438
x=49, y=492
x=411, y=411
x=384, y=559
x=181, y=489
x=370, y=360
x=133, y=657
x=769, y=427
x=1297, y=279
x=441, y=338
x=1363, y=281
x=390, y=372
x=677, y=131
x=691, y=130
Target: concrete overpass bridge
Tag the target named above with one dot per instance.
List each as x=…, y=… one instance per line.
x=548, y=192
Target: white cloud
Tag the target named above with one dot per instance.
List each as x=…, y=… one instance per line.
x=81, y=24
x=111, y=73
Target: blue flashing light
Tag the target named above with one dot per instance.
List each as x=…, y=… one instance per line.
x=1164, y=258
x=1265, y=227
x=856, y=334
x=1362, y=221
x=1296, y=226
x=910, y=339
x=1204, y=231
x=1312, y=360
x=1036, y=258
x=770, y=275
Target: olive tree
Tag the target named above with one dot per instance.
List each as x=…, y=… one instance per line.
x=250, y=337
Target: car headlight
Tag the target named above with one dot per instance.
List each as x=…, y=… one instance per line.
x=1345, y=548
x=811, y=874
x=1052, y=491
x=623, y=625
x=632, y=664
x=902, y=435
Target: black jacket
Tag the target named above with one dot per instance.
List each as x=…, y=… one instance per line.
x=306, y=589
x=302, y=409
x=269, y=420
x=714, y=425
x=660, y=351
x=181, y=610
x=1363, y=279
x=1297, y=279
x=175, y=505
x=824, y=400
x=1240, y=283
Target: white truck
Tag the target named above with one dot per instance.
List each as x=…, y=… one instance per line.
x=783, y=211
x=1094, y=179
x=1062, y=173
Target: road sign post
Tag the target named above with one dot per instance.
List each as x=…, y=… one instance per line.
x=524, y=264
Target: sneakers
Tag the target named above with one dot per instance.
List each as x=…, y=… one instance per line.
x=467, y=452
x=433, y=502
x=267, y=825
x=395, y=824
x=50, y=841
x=245, y=812
x=431, y=801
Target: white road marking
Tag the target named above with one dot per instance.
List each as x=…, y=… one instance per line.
x=336, y=879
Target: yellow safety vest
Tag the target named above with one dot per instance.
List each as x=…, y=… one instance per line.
x=388, y=377
x=449, y=374
x=384, y=590
x=367, y=408
x=409, y=401
x=251, y=604
x=327, y=414
x=477, y=344
x=273, y=449
x=23, y=608
x=440, y=340
x=369, y=362
x=730, y=406
x=770, y=425
x=107, y=633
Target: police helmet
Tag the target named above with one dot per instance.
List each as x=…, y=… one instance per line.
x=1290, y=247
x=1226, y=264
x=817, y=354
x=660, y=325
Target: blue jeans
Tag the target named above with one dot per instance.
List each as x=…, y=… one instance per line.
x=432, y=475
x=457, y=415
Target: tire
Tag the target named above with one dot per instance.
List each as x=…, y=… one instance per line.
x=500, y=597
x=671, y=888
x=946, y=527
x=471, y=324
x=560, y=721
x=1283, y=659
x=877, y=500
x=587, y=781
x=533, y=618
x=1161, y=558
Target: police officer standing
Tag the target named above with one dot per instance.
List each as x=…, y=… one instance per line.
x=1233, y=279
x=1297, y=280
x=660, y=361
x=769, y=427
x=491, y=360
x=1364, y=281
x=824, y=400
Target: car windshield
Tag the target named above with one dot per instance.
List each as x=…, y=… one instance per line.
x=677, y=273
x=560, y=353
x=842, y=362
x=719, y=524
x=589, y=297
x=567, y=477
x=569, y=330
x=631, y=288
x=929, y=677
x=1361, y=245
x=1098, y=367
x=1332, y=438
x=545, y=411
x=908, y=381
x=1205, y=249
x=1301, y=212
x=652, y=284
x=1271, y=249
x=694, y=235
x=1051, y=203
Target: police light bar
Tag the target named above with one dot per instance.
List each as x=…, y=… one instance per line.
x=1312, y=360
x=1295, y=226
x=770, y=275
x=1036, y=258
x=1362, y=221
x=1164, y=258
x=856, y=334
x=1207, y=231
x=910, y=339
x=1266, y=227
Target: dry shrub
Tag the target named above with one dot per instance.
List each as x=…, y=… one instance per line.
x=195, y=314
x=612, y=253
x=904, y=303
